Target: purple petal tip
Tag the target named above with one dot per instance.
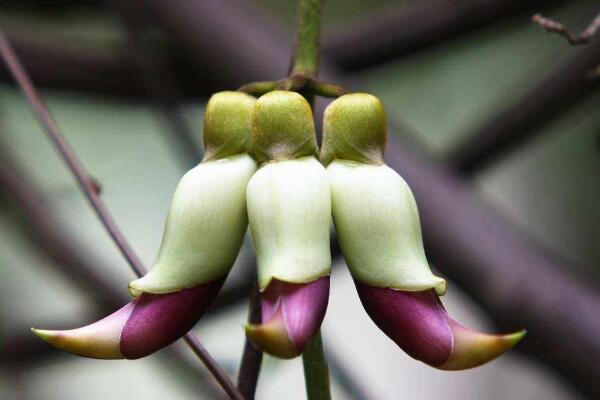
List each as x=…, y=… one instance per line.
x=291, y=315
x=160, y=319
x=143, y=326
x=419, y=324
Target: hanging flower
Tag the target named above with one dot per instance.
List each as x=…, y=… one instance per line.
x=202, y=237
x=289, y=211
x=378, y=228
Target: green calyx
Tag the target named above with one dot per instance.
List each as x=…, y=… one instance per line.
x=354, y=128
x=227, y=124
x=282, y=127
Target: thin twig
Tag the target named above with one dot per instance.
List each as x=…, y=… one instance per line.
x=89, y=189
x=551, y=25
x=554, y=94
x=400, y=29
x=251, y=357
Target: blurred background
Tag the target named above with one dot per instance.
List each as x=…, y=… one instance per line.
x=494, y=123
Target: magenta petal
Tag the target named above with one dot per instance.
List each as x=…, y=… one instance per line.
x=416, y=321
x=291, y=315
x=419, y=324
x=160, y=319
x=304, y=307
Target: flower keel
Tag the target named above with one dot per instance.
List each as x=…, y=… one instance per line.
x=143, y=326
x=419, y=324
x=291, y=315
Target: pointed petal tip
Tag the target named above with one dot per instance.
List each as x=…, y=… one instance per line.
x=47, y=336
x=81, y=343
x=472, y=348
x=516, y=337
x=419, y=324
x=273, y=338
x=97, y=340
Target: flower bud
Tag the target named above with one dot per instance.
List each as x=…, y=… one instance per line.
x=283, y=127
x=227, y=124
x=354, y=136
x=289, y=211
x=378, y=228
x=203, y=234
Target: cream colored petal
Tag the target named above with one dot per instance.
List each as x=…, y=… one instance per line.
x=205, y=227
x=289, y=211
x=378, y=227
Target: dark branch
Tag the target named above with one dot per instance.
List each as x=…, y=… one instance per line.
x=551, y=25
x=85, y=183
x=89, y=190
x=551, y=96
x=251, y=357
x=74, y=67
x=232, y=52
x=67, y=66
x=397, y=31
x=40, y=227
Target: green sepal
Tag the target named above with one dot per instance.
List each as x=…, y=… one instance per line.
x=378, y=227
x=289, y=211
x=205, y=227
x=227, y=124
x=354, y=128
x=282, y=127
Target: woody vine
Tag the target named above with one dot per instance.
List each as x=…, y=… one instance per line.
x=263, y=168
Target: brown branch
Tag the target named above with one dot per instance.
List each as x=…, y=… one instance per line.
x=237, y=54
x=401, y=30
x=41, y=229
x=71, y=66
x=551, y=25
x=88, y=187
x=552, y=96
x=251, y=357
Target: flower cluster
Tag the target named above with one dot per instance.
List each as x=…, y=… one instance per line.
x=262, y=168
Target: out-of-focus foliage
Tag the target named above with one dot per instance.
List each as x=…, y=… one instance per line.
x=549, y=187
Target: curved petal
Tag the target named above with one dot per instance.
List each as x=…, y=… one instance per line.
x=143, y=326
x=97, y=340
x=291, y=314
x=419, y=324
x=159, y=319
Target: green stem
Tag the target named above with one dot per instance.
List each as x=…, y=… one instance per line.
x=316, y=372
x=306, y=63
x=306, y=52
x=327, y=89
